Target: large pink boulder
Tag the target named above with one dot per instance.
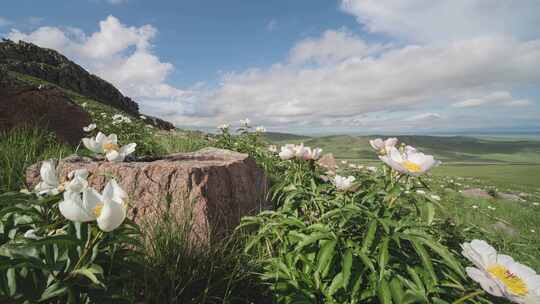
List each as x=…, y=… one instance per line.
x=212, y=186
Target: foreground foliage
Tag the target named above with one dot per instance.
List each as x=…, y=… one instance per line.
x=369, y=236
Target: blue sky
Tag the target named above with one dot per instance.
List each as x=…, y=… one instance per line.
x=310, y=66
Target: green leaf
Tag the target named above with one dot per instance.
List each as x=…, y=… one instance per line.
x=383, y=293
x=370, y=235
x=347, y=266
x=90, y=273
x=336, y=284
x=383, y=256
x=326, y=254
x=450, y=261
x=425, y=258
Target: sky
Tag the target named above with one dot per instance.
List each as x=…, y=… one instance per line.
x=306, y=66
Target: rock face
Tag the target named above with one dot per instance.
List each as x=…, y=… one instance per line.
x=215, y=187
x=47, y=108
x=49, y=65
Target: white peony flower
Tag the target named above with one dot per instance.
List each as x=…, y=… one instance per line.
x=120, y=154
x=287, y=152
x=343, y=183
x=383, y=146
x=224, y=127
x=245, y=123
x=108, y=209
x=301, y=152
x=260, y=129
x=49, y=183
x=108, y=145
x=31, y=235
x=500, y=275
x=409, y=162
x=313, y=154
x=90, y=127
x=272, y=148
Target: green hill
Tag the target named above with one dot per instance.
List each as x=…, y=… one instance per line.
x=458, y=149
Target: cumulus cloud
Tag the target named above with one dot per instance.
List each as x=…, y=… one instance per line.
x=120, y=54
x=441, y=60
x=427, y=21
x=441, y=55
x=501, y=98
x=332, y=47
x=344, y=84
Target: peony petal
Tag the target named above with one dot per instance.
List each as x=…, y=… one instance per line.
x=485, y=281
x=112, y=216
x=72, y=208
x=114, y=156
x=128, y=149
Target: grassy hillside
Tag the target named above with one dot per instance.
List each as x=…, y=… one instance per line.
x=451, y=149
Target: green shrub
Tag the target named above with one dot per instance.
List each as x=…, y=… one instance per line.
x=60, y=261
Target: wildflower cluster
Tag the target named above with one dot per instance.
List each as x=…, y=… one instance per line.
x=66, y=241
x=371, y=236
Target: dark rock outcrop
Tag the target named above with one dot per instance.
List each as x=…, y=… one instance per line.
x=50, y=65
x=47, y=108
x=213, y=187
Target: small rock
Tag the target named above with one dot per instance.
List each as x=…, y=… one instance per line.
x=509, y=196
x=476, y=193
x=328, y=162
x=504, y=228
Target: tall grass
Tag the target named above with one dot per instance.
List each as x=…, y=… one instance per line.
x=180, y=268
x=22, y=147
x=175, y=142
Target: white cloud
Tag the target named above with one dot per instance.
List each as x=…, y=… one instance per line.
x=424, y=117
x=342, y=85
x=450, y=56
x=500, y=98
x=4, y=22
x=428, y=20
x=119, y=54
x=332, y=47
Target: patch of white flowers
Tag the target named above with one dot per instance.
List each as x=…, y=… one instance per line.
x=300, y=152
x=82, y=203
x=343, y=183
x=119, y=118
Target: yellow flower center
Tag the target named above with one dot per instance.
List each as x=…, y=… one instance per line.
x=514, y=283
x=110, y=147
x=412, y=167
x=97, y=209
